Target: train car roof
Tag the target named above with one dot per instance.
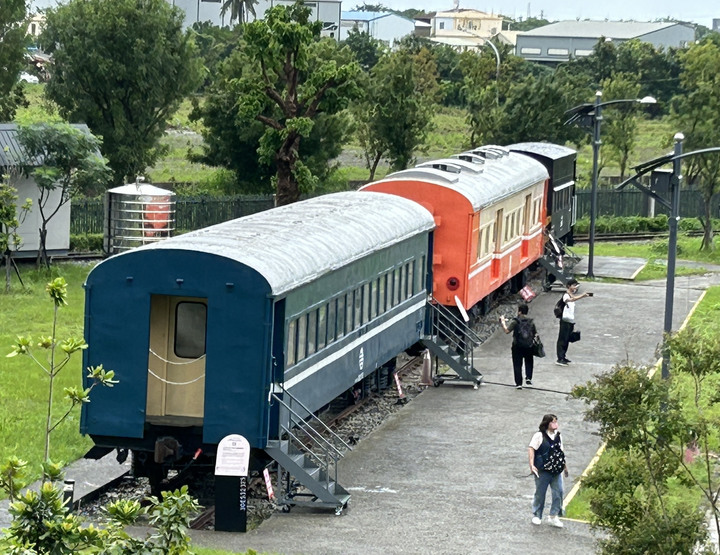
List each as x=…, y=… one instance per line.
x=294, y=244
x=548, y=150
x=502, y=174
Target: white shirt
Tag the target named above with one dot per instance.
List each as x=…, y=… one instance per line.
x=569, y=310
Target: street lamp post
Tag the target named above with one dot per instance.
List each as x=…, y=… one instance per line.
x=597, y=121
x=672, y=244
x=584, y=114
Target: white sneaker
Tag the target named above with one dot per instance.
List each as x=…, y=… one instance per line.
x=536, y=521
x=555, y=521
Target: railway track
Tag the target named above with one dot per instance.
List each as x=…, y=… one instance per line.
x=619, y=237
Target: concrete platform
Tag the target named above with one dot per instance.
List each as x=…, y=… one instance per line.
x=611, y=267
x=448, y=474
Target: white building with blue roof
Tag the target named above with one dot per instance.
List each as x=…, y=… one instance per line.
x=387, y=27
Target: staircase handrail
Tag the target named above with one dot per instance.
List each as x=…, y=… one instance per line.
x=448, y=315
x=309, y=430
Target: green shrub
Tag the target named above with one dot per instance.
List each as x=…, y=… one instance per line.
x=86, y=242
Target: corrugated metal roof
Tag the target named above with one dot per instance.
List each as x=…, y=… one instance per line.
x=595, y=29
x=365, y=16
x=503, y=174
x=295, y=244
x=549, y=150
x=12, y=153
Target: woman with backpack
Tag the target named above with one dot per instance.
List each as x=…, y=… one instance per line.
x=547, y=463
x=524, y=333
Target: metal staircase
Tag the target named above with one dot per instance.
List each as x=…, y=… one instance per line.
x=451, y=340
x=559, y=261
x=307, y=455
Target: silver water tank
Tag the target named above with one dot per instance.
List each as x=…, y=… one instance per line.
x=137, y=214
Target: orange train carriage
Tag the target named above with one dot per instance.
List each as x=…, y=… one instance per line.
x=490, y=210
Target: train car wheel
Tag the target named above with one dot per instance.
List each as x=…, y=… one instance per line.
x=286, y=508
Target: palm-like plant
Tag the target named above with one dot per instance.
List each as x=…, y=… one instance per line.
x=238, y=9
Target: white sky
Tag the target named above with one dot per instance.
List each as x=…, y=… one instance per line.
x=697, y=11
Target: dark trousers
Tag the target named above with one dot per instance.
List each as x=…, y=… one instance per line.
x=563, y=340
x=520, y=354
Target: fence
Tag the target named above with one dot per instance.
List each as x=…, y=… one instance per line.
x=632, y=202
x=198, y=212
x=87, y=215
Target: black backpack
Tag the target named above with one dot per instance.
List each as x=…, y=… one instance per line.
x=559, y=307
x=524, y=332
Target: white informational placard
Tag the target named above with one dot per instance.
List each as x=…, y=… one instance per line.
x=233, y=456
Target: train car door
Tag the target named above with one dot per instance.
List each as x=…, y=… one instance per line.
x=176, y=361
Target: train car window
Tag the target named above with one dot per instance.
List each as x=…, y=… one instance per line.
x=358, y=307
x=396, y=287
x=331, y=322
x=411, y=279
x=312, y=332
x=190, y=327
x=292, y=330
x=349, y=303
x=366, y=303
x=381, y=293
x=403, y=283
x=340, y=326
x=421, y=274
x=497, y=230
x=489, y=234
x=301, y=337
x=322, y=327
x=374, y=298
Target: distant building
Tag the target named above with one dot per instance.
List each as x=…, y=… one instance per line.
x=384, y=26
x=716, y=25
x=327, y=11
x=463, y=29
x=36, y=25
x=12, y=158
x=561, y=41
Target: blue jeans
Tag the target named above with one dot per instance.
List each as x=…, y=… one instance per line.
x=556, y=487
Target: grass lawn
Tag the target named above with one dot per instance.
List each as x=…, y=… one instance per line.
x=24, y=389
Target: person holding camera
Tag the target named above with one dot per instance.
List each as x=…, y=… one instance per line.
x=567, y=322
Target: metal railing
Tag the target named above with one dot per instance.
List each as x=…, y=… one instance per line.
x=303, y=433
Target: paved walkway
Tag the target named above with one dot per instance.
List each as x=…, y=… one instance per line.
x=448, y=474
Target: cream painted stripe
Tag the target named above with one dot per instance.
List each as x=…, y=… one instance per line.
x=601, y=450
x=350, y=346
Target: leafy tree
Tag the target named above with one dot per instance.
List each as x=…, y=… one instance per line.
x=12, y=50
x=697, y=112
x=57, y=357
x=69, y=164
x=279, y=91
x=122, y=67
x=527, y=24
x=215, y=45
x=532, y=109
x=646, y=431
x=396, y=114
x=656, y=71
x=239, y=9
x=367, y=50
x=231, y=141
x=10, y=219
x=620, y=120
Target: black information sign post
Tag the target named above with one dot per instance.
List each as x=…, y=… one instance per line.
x=231, y=470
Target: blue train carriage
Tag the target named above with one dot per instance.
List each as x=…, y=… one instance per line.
x=222, y=330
